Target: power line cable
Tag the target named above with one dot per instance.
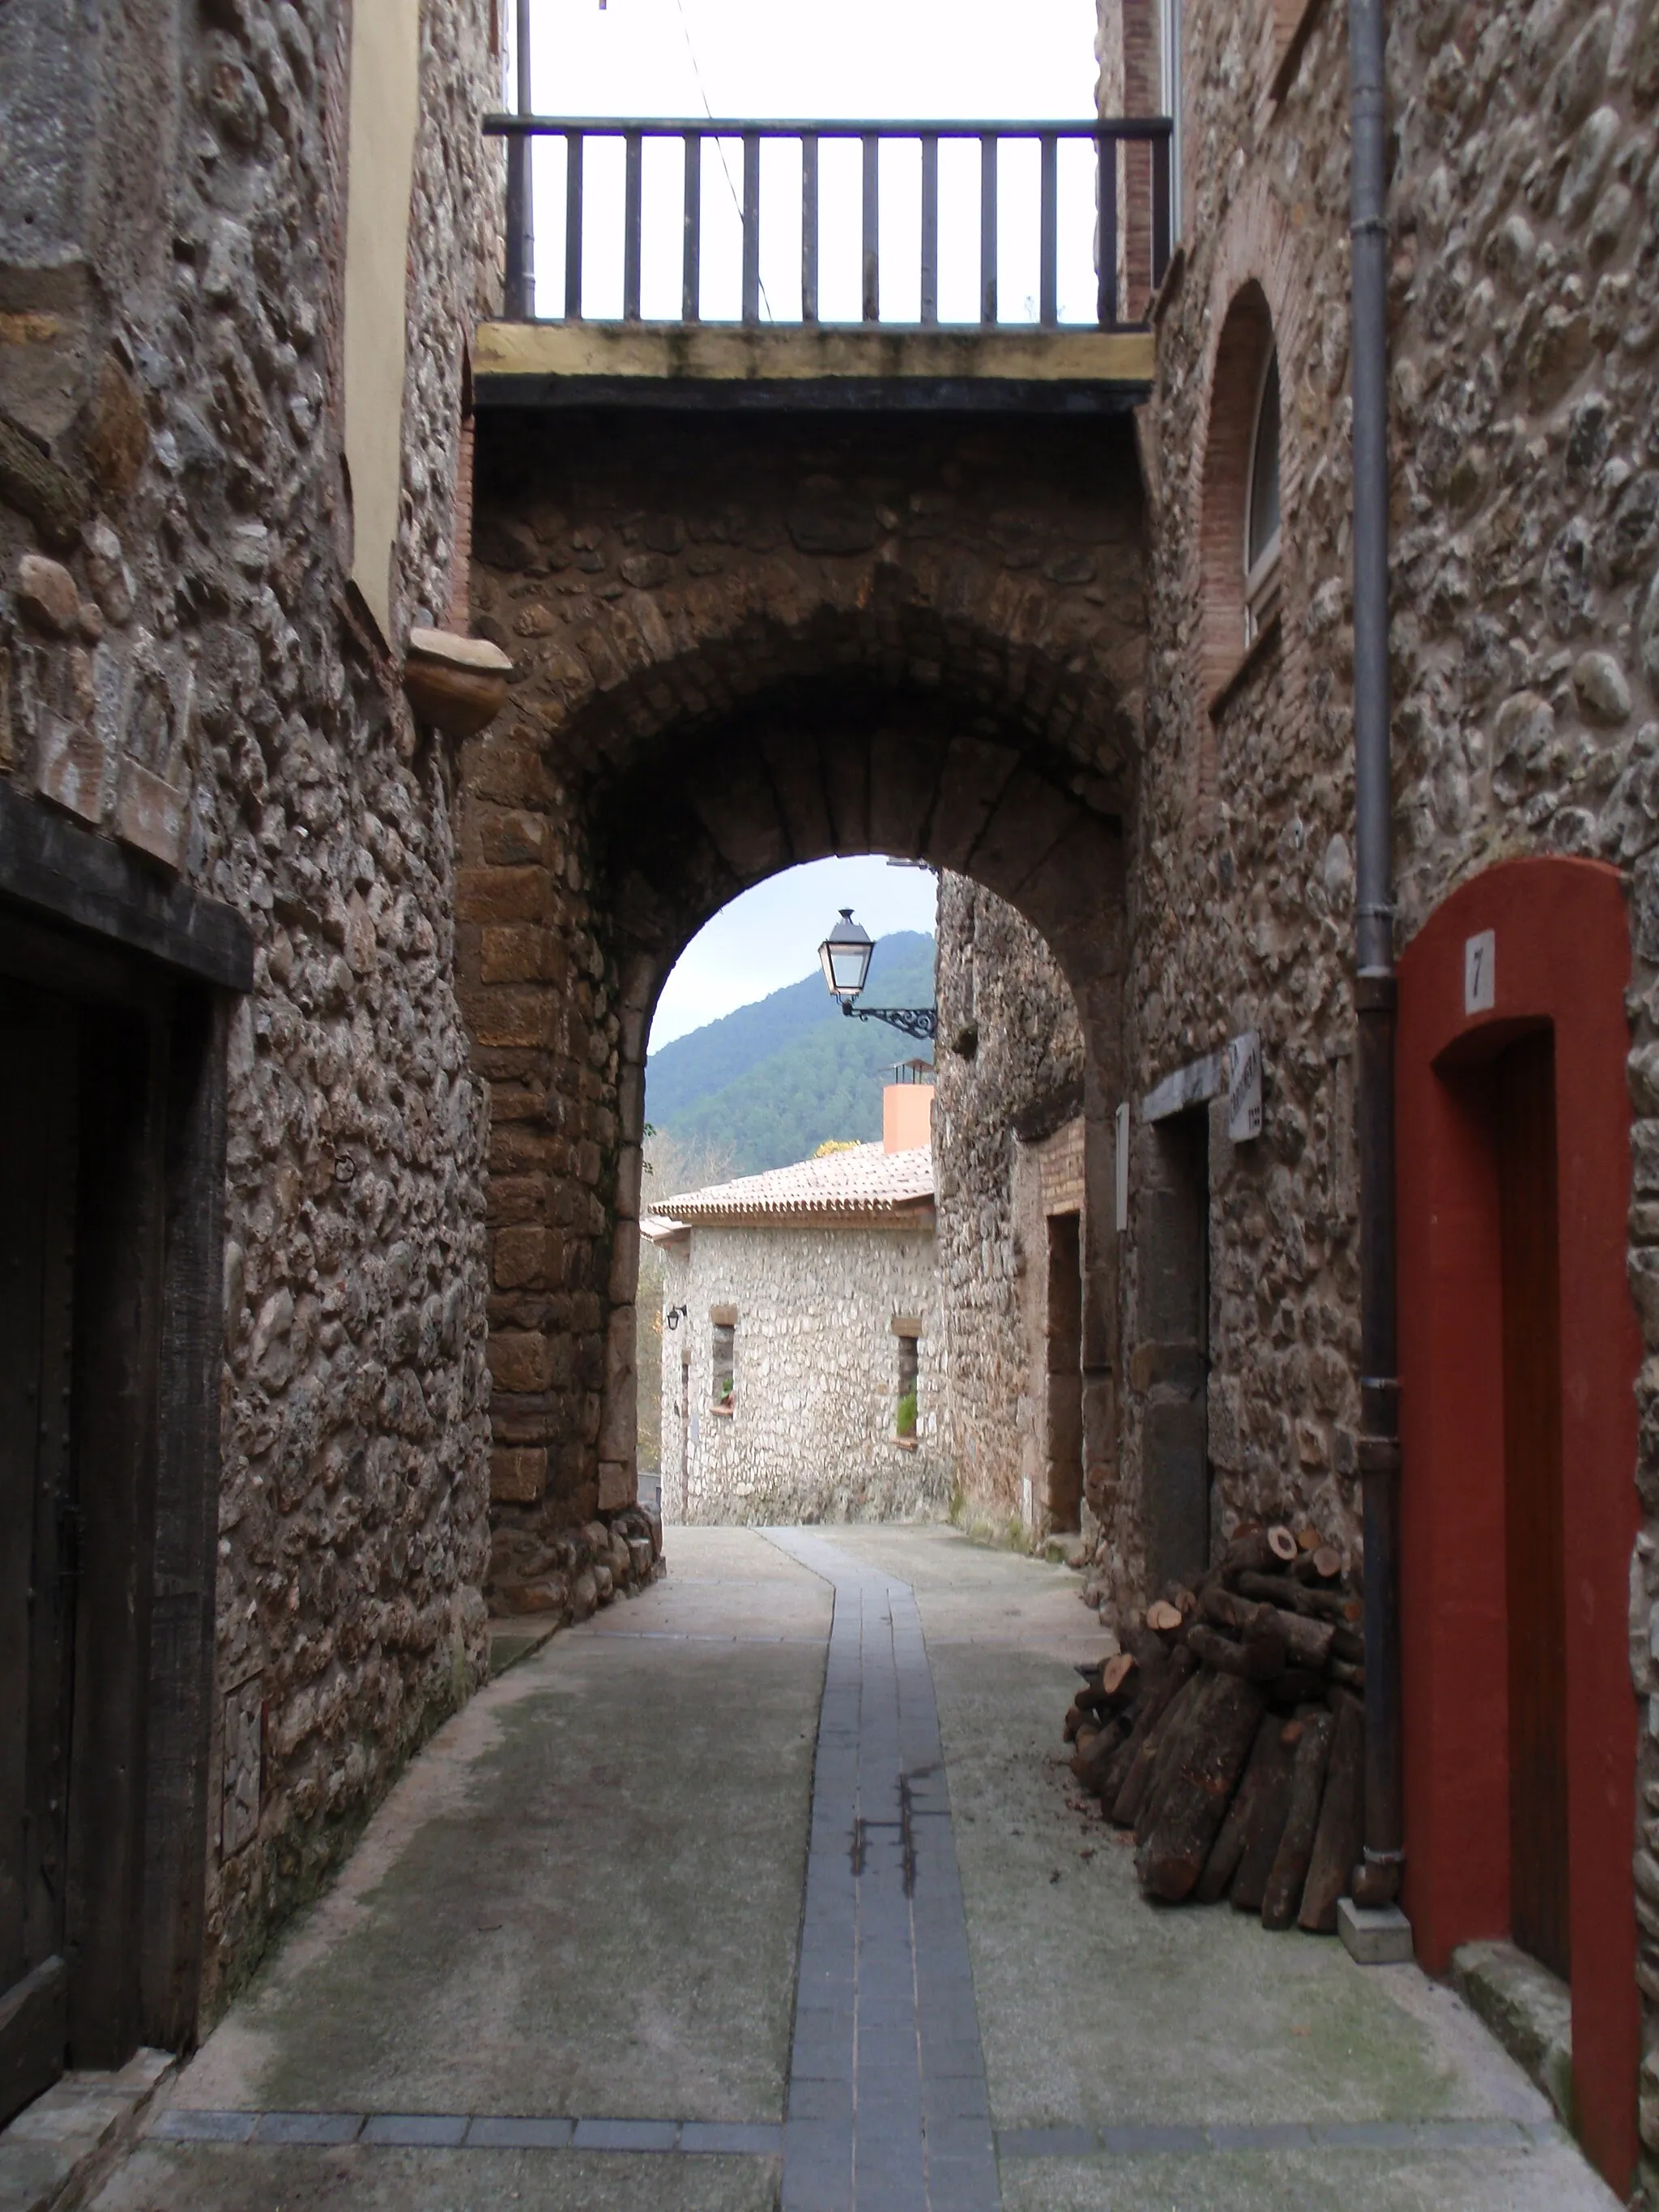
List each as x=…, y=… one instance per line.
x=720, y=144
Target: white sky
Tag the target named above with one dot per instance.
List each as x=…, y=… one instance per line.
x=770, y=935
x=975, y=60
x=863, y=59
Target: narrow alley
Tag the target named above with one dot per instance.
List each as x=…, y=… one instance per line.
x=767, y=1888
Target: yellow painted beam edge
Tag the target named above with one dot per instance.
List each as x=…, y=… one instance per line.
x=706, y=352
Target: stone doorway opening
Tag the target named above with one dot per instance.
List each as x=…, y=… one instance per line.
x=1172, y=1366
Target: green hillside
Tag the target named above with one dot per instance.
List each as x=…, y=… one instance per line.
x=768, y=1084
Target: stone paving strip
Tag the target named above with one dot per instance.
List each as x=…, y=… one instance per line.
x=765, y=2138
x=888, y=2106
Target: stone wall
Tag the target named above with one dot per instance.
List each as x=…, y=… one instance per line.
x=1009, y=1041
x=1524, y=319
x=181, y=669
x=811, y=1434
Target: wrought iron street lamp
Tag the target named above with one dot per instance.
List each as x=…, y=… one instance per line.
x=844, y=956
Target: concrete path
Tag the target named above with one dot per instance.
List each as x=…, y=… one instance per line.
x=561, y=1970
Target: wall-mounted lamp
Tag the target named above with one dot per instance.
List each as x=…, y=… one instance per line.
x=674, y=1316
x=845, y=957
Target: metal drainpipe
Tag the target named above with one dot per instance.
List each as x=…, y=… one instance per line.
x=1377, y=1880
x=520, y=233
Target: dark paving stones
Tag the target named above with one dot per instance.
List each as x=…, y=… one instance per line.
x=888, y=2110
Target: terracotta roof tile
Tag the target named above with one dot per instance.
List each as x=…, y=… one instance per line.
x=865, y=1182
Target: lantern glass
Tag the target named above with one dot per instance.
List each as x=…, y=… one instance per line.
x=844, y=956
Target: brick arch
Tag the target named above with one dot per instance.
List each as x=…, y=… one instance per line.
x=738, y=650
x=1242, y=353
x=1258, y=295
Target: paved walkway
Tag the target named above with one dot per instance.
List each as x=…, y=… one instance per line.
x=618, y=1940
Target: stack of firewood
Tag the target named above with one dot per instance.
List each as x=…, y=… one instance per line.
x=1229, y=1733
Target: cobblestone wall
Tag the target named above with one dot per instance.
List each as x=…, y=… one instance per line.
x=811, y=1435
x=1009, y=1039
x=1524, y=319
x=181, y=669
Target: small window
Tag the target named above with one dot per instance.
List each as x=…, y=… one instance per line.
x=904, y=1417
x=725, y=1341
x=1261, y=534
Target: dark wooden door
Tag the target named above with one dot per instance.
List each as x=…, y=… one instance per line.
x=1534, y=1507
x=39, y=1053
x=1064, y=1371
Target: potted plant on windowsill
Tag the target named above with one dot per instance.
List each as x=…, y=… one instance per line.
x=904, y=1421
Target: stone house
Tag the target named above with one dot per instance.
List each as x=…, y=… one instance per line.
x=803, y=1361
x=243, y=251
x=1523, y=313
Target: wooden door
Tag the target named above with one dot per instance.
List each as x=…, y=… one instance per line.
x=39, y=1039
x=1534, y=1508
x=1064, y=1379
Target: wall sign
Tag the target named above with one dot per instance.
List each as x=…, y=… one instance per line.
x=1244, y=1087
x=1481, y=972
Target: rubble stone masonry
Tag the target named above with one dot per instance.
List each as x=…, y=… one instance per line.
x=1009, y=1041
x=183, y=669
x=1524, y=302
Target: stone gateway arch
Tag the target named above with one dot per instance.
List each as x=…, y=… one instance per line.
x=744, y=641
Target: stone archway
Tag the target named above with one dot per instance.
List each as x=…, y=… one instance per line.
x=744, y=644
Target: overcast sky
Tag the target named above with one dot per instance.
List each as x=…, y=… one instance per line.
x=912, y=59
x=863, y=59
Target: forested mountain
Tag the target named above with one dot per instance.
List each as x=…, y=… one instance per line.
x=766, y=1086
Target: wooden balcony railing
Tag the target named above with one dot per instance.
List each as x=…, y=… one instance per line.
x=1130, y=171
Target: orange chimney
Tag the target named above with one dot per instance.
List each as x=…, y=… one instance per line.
x=907, y=1116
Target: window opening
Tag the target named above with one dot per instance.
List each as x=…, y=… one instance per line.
x=1261, y=513
x=904, y=1418
x=725, y=1339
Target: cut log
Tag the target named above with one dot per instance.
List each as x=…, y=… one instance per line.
x=1183, y=1725
x=1283, y=1894
x=1294, y=1596
x=1327, y=1563
x=1351, y=1677
x=1264, y=1818
x=1308, y=1539
x=1225, y=1607
x=1154, y=1699
x=1114, y=1675
x=1267, y=1753
x=1338, y=1839
x=1164, y=1617
x=1090, y=1765
x=1281, y=1542
x=1137, y=1772
x=1307, y=1643
x=1193, y=1800
x=1249, y=1552
x=1257, y=1656
x=1348, y=1643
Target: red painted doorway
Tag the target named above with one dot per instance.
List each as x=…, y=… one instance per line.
x=1519, y=1351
